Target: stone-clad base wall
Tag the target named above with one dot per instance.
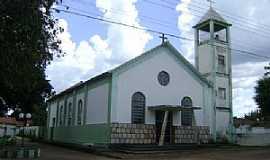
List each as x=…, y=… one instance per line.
x=191, y=134
x=122, y=133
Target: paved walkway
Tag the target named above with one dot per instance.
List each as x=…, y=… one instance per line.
x=51, y=152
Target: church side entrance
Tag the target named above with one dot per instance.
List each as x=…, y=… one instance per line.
x=169, y=133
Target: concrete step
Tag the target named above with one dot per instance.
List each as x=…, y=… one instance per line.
x=146, y=148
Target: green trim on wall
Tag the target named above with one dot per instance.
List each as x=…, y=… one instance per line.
x=109, y=109
x=65, y=110
x=114, y=91
x=85, y=104
x=48, y=118
x=57, y=113
x=204, y=102
x=74, y=107
x=85, y=134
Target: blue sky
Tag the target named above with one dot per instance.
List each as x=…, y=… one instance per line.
x=151, y=15
x=93, y=46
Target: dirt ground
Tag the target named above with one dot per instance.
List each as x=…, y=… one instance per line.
x=50, y=152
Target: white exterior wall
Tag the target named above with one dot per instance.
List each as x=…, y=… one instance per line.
x=143, y=78
x=205, y=59
x=97, y=104
x=223, y=121
x=223, y=82
x=225, y=54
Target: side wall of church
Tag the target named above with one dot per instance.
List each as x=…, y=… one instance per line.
x=97, y=104
x=94, y=127
x=142, y=77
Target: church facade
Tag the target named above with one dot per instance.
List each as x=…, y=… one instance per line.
x=155, y=98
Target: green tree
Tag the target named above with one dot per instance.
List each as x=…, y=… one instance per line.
x=262, y=97
x=267, y=68
x=28, y=43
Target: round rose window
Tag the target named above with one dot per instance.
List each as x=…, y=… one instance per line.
x=163, y=78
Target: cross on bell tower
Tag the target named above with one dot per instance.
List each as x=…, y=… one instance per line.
x=211, y=2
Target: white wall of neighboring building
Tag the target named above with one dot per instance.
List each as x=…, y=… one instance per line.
x=97, y=104
x=143, y=78
x=8, y=130
x=252, y=136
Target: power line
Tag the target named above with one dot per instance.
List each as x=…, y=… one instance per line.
x=146, y=19
x=158, y=22
x=240, y=26
x=114, y=10
x=119, y=23
x=247, y=20
x=250, y=27
x=152, y=31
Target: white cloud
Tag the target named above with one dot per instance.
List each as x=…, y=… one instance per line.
x=96, y=55
x=124, y=42
x=185, y=21
x=245, y=77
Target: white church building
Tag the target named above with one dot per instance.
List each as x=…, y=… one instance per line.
x=156, y=98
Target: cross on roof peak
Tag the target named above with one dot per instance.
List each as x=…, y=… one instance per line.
x=163, y=38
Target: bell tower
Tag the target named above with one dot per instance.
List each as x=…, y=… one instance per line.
x=213, y=61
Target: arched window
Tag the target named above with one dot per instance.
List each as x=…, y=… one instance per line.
x=61, y=116
x=69, y=113
x=137, y=108
x=186, y=114
x=65, y=115
x=79, y=112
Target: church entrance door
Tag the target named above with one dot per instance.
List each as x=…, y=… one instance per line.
x=168, y=137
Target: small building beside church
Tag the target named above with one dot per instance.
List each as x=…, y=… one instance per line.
x=156, y=98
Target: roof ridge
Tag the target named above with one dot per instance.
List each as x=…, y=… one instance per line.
x=212, y=14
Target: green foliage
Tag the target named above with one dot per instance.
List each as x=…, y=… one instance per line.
x=267, y=68
x=253, y=116
x=262, y=97
x=28, y=44
x=7, y=140
x=39, y=115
